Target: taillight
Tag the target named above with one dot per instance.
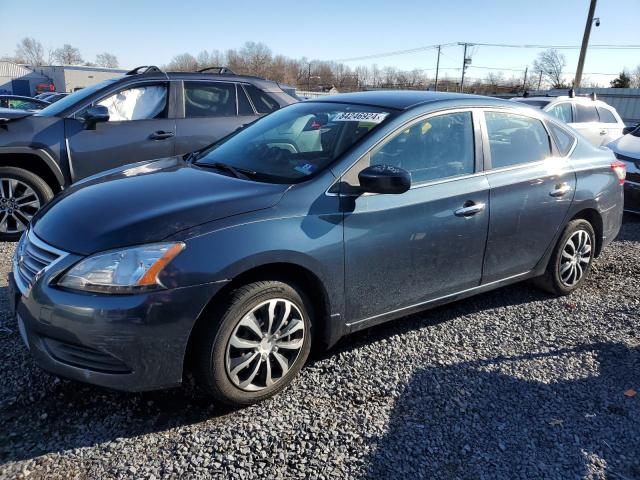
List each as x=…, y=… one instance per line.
x=620, y=169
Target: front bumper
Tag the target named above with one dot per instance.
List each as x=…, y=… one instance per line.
x=126, y=342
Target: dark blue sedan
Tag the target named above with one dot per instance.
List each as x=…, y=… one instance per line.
x=321, y=219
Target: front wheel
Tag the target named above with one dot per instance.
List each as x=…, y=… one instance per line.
x=571, y=260
x=257, y=345
x=22, y=194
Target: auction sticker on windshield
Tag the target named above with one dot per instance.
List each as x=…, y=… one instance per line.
x=373, y=117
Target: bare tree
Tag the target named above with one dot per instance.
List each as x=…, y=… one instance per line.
x=108, y=60
x=67, y=55
x=30, y=51
x=635, y=77
x=257, y=58
x=185, y=62
x=551, y=63
x=206, y=59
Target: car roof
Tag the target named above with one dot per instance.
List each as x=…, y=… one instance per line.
x=406, y=99
x=263, y=84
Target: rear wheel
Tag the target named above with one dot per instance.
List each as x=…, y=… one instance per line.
x=571, y=260
x=258, y=343
x=22, y=194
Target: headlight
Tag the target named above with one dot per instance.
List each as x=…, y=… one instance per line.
x=121, y=271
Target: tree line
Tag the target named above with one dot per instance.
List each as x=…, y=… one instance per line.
x=31, y=52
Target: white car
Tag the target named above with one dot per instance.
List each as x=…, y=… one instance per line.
x=627, y=150
x=597, y=121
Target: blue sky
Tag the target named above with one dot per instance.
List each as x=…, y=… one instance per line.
x=151, y=32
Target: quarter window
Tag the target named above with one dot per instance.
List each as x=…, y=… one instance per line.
x=138, y=103
x=564, y=140
x=263, y=102
x=606, y=116
x=586, y=113
x=515, y=139
x=438, y=147
x=562, y=112
x=209, y=99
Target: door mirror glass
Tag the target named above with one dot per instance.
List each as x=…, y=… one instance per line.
x=384, y=179
x=95, y=114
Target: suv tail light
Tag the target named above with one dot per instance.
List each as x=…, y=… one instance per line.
x=620, y=169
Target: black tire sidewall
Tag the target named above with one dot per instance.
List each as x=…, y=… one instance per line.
x=39, y=186
x=242, y=301
x=554, y=266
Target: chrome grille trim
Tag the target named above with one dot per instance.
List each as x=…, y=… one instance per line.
x=33, y=257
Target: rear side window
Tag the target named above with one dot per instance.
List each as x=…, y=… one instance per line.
x=244, y=107
x=516, y=139
x=263, y=102
x=562, y=112
x=564, y=140
x=209, y=99
x=586, y=113
x=606, y=116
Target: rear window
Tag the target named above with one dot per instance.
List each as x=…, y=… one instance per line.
x=564, y=140
x=515, y=139
x=606, y=116
x=586, y=113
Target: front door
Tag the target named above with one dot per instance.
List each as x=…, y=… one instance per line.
x=138, y=129
x=531, y=191
x=406, y=249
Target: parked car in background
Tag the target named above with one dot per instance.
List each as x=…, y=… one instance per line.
x=627, y=150
x=597, y=121
x=235, y=259
x=43, y=96
x=22, y=103
x=143, y=115
x=54, y=97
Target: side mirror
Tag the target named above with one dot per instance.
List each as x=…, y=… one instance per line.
x=384, y=179
x=626, y=130
x=95, y=114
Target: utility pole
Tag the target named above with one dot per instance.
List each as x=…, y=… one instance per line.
x=585, y=43
x=309, y=78
x=438, y=67
x=540, y=80
x=464, y=68
x=524, y=83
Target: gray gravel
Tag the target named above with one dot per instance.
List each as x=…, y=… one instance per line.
x=510, y=384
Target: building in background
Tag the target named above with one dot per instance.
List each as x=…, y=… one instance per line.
x=20, y=80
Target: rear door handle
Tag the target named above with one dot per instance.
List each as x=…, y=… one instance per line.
x=469, y=209
x=603, y=132
x=160, y=135
x=561, y=190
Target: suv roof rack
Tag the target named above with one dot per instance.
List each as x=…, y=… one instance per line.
x=144, y=69
x=218, y=70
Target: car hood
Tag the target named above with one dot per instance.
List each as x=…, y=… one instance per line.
x=8, y=114
x=628, y=145
x=144, y=203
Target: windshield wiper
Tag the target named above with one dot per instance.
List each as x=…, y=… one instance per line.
x=242, y=173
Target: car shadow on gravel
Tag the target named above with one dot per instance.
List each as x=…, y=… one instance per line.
x=479, y=420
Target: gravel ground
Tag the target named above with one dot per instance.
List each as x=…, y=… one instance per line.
x=509, y=384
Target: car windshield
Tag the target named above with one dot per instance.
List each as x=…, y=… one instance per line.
x=60, y=106
x=295, y=142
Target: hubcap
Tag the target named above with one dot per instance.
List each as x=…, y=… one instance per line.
x=576, y=256
x=18, y=204
x=265, y=344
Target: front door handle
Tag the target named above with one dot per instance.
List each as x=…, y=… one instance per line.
x=469, y=209
x=561, y=190
x=160, y=135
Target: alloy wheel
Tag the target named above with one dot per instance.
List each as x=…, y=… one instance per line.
x=575, y=258
x=265, y=344
x=18, y=204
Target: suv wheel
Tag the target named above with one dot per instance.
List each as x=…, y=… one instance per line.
x=571, y=260
x=22, y=193
x=259, y=343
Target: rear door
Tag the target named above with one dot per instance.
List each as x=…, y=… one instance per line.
x=587, y=122
x=209, y=111
x=609, y=124
x=532, y=187
x=139, y=128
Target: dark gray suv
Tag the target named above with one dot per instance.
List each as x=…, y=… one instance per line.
x=143, y=115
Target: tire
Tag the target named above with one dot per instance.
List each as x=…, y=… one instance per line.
x=15, y=184
x=217, y=367
x=558, y=278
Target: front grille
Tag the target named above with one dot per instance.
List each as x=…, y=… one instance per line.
x=33, y=256
x=85, y=357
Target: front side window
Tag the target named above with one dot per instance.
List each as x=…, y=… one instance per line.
x=137, y=103
x=209, y=99
x=586, y=113
x=431, y=149
x=515, y=139
x=562, y=112
x=606, y=116
x=295, y=142
x=263, y=102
